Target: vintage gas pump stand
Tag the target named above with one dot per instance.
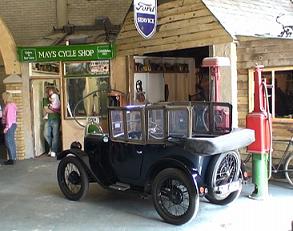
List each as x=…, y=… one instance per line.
x=214, y=63
x=260, y=121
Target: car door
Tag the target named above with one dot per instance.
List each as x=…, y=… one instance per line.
x=128, y=136
x=127, y=159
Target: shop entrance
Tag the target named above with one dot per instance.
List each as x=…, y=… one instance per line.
x=38, y=92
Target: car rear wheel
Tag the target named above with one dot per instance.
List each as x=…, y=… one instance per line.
x=175, y=196
x=224, y=169
x=72, y=178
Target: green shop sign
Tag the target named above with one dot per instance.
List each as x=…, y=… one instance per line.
x=66, y=53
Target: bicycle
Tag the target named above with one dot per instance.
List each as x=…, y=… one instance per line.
x=285, y=165
x=287, y=160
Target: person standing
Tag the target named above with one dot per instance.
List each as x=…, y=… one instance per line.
x=52, y=124
x=9, y=124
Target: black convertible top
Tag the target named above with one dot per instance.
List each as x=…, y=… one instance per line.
x=237, y=138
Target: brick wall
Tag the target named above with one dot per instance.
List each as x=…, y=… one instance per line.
x=84, y=12
x=30, y=20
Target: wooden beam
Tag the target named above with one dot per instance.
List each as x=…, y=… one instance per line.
x=129, y=20
x=180, y=10
x=183, y=16
x=174, y=46
x=200, y=35
x=124, y=39
x=168, y=28
x=170, y=5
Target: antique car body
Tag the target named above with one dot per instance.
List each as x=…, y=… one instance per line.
x=175, y=152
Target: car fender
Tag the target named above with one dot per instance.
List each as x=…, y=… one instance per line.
x=83, y=158
x=190, y=172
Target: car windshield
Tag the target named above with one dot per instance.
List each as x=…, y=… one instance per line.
x=117, y=124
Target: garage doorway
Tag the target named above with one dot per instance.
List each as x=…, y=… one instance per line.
x=38, y=92
x=180, y=87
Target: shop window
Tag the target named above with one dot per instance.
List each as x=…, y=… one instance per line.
x=44, y=69
x=86, y=88
x=280, y=91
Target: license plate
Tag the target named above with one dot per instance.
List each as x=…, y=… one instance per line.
x=226, y=188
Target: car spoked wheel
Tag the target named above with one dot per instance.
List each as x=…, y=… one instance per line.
x=223, y=178
x=72, y=178
x=175, y=197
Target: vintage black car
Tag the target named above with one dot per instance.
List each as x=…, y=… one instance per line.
x=175, y=152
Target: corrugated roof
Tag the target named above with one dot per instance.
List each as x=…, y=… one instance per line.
x=253, y=17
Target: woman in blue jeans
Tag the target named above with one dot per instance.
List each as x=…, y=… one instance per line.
x=9, y=124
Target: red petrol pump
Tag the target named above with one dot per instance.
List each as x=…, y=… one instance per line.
x=214, y=63
x=260, y=121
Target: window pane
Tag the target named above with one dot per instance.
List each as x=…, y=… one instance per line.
x=200, y=119
x=92, y=68
x=267, y=77
x=221, y=119
x=134, y=128
x=93, y=105
x=117, y=124
x=283, y=94
x=156, y=124
x=178, y=122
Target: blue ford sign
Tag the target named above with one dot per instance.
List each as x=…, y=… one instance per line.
x=145, y=17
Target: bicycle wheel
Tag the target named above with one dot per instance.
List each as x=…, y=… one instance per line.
x=289, y=169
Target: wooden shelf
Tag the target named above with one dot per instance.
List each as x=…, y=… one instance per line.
x=161, y=65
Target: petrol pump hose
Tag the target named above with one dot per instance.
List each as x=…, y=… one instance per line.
x=270, y=128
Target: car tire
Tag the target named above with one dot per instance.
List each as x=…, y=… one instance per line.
x=175, y=196
x=223, y=168
x=72, y=178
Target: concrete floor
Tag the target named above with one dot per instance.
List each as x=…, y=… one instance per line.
x=30, y=199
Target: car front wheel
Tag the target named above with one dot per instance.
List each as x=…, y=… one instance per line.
x=72, y=178
x=175, y=196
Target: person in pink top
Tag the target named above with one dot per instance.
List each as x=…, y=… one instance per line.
x=9, y=124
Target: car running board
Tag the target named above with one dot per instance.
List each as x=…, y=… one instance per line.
x=120, y=186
